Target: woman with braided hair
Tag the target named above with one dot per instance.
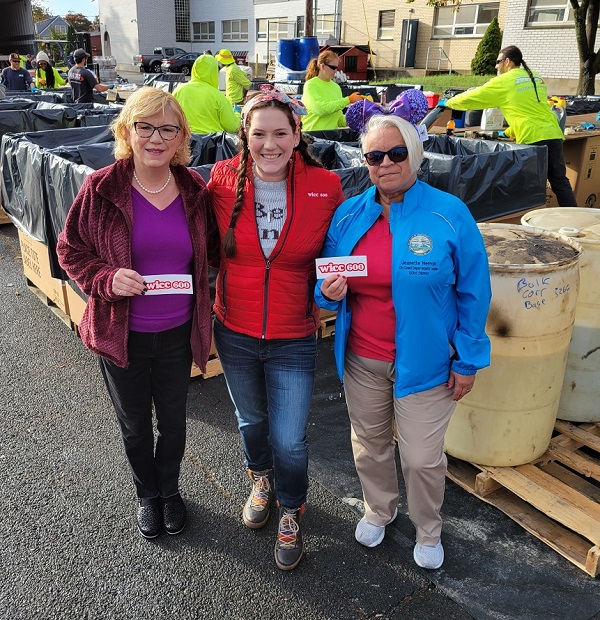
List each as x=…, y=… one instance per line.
x=273, y=203
x=521, y=95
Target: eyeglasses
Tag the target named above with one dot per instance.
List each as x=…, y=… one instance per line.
x=146, y=130
x=397, y=155
x=332, y=67
x=14, y=60
x=499, y=61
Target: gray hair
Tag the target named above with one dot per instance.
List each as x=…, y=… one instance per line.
x=408, y=131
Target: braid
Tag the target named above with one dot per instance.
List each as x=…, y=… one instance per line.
x=531, y=77
x=514, y=54
x=229, y=240
x=307, y=156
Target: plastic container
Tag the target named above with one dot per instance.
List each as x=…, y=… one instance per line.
x=307, y=48
x=286, y=54
x=509, y=416
x=432, y=99
x=580, y=396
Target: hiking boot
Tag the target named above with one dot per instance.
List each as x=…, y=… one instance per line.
x=289, y=546
x=257, y=508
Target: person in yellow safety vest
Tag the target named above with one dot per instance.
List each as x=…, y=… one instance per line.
x=236, y=79
x=46, y=76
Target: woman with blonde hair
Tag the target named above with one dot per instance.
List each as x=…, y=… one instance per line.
x=136, y=242
x=322, y=96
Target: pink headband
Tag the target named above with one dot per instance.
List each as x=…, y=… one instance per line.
x=268, y=93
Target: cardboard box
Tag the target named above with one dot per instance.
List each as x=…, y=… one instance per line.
x=76, y=303
x=582, y=155
x=36, y=266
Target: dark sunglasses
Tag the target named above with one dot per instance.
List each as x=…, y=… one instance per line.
x=332, y=67
x=499, y=61
x=397, y=154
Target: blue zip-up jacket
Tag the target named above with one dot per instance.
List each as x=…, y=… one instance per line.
x=440, y=284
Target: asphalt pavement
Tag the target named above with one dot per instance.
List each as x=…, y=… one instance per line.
x=69, y=547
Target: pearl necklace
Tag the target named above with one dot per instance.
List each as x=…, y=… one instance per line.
x=153, y=191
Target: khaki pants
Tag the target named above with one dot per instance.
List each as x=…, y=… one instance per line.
x=421, y=421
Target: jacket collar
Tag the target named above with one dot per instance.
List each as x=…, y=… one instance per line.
x=118, y=177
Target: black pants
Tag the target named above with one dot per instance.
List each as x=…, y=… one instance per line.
x=557, y=175
x=159, y=373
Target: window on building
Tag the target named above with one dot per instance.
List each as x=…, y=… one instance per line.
x=385, y=25
x=203, y=31
x=546, y=12
x=234, y=30
x=182, y=20
x=325, y=25
x=275, y=28
x=468, y=20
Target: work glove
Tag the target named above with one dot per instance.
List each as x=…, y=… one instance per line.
x=442, y=103
x=354, y=97
x=111, y=85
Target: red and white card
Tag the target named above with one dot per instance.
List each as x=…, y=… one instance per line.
x=349, y=266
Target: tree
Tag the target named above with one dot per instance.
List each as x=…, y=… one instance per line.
x=80, y=22
x=484, y=61
x=585, y=14
x=40, y=10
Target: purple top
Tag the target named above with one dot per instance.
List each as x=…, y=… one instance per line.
x=161, y=244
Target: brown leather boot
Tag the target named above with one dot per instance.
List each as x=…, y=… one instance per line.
x=258, y=506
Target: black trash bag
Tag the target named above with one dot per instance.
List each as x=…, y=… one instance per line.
x=343, y=134
x=492, y=178
x=93, y=156
x=354, y=180
x=582, y=105
x=23, y=190
x=19, y=121
x=212, y=147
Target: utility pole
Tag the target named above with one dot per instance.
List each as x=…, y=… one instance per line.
x=309, y=19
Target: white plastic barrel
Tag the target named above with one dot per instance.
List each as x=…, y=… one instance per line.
x=580, y=398
x=508, y=417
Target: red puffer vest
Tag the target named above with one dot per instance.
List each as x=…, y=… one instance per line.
x=273, y=298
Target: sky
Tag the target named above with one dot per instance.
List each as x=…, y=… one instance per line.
x=62, y=7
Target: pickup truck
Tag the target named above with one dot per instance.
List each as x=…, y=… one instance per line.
x=150, y=63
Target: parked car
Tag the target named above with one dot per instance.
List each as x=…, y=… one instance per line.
x=179, y=64
x=150, y=63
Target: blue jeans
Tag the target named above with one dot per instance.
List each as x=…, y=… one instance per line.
x=270, y=383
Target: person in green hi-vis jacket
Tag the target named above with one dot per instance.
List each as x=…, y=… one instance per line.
x=322, y=96
x=521, y=95
x=236, y=78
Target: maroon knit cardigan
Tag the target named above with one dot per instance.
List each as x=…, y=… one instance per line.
x=96, y=242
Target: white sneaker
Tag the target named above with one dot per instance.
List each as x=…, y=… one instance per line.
x=429, y=556
x=371, y=535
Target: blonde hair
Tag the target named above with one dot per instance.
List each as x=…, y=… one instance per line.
x=325, y=57
x=146, y=102
x=409, y=133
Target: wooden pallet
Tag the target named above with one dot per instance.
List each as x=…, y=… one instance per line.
x=327, y=327
x=47, y=301
x=556, y=498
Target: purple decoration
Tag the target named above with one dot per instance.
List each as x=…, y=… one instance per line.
x=411, y=105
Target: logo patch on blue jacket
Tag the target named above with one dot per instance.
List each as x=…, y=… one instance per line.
x=420, y=244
